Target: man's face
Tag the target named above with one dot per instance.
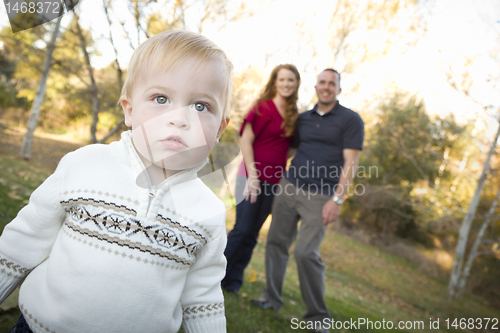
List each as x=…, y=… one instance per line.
x=176, y=116
x=328, y=87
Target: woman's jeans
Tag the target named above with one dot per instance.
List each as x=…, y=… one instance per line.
x=21, y=326
x=243, y=238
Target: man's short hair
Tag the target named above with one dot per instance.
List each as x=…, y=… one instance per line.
x=332, y=70
x=172, y=48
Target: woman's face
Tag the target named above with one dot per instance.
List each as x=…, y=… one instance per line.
x=286, y=83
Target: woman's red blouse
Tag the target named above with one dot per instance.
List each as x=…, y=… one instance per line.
x=270, y=146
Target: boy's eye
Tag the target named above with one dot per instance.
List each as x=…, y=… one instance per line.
x=200, y=107
x=161, y=99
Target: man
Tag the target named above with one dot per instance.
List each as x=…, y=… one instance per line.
x=328, y=142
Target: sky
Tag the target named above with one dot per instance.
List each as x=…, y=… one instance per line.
x=455, y=29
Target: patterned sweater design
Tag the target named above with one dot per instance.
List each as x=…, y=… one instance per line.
x=102, y=254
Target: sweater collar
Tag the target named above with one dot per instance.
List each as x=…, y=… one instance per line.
x=139, y=169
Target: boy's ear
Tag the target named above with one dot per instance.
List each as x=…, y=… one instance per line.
x=223, y=124
x=127, y=110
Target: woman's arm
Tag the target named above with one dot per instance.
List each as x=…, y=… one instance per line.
x=246, y=144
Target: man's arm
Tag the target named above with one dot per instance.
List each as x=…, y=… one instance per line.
x=331, y=209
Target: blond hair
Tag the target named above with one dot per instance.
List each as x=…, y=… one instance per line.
x=170, y=49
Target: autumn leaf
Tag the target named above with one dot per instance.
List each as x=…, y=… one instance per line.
x=14, y=196
x=253, y=277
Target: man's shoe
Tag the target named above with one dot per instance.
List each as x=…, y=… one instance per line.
x=262, y=304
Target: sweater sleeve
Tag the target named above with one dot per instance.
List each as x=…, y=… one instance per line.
x=27, y=240
x=202, y=299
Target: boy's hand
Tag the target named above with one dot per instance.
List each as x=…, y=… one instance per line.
x=252, y=190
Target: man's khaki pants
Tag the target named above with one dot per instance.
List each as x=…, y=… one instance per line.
x=290, y=205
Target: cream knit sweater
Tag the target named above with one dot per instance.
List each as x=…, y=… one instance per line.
x=102, y=254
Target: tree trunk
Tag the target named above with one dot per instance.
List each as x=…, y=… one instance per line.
x=113, y=131
x=119, y=73
x=95, y=113
x=456, y=270
x=442, y=166
x=25, y=152
x=94, y=89
x=118, y=68
x=477, y=242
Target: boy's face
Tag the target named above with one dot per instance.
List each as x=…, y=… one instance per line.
x=176, y=116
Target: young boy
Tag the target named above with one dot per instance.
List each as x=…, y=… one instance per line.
x=124, y=237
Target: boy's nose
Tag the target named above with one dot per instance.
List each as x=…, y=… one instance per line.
x=178, y=118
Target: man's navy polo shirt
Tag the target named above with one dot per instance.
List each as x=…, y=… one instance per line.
x=317, y=165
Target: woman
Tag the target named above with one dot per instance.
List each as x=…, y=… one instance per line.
x=266, y=134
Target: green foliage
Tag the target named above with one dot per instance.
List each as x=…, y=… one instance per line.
x=9, y=84
x=157, y=23
x=7, y=67
x=8, y=94
x=109, y=94
x=8, y=319
x=403, y=142
x=26, y=50
x=67, y=96
x=413, y=155
x=229, y=135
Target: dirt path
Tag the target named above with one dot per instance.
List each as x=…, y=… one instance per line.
x=47, y=149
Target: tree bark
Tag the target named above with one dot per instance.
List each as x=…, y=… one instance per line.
x=119, y=73
x=463, y=234
x=112, y=131
x=25, y=152
x=93, y=86
x=473, y=252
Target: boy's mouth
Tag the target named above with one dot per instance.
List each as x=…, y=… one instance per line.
x=174, y=142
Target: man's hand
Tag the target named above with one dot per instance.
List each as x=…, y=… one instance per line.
x=252, y=190
x=331, y=212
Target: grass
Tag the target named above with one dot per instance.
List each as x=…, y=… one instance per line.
x=361, y=281
x=18, y=179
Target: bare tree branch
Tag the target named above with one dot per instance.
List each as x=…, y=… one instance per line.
x=93, y=86
x=112, y=131
x=106, y=4
x=122, y=23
